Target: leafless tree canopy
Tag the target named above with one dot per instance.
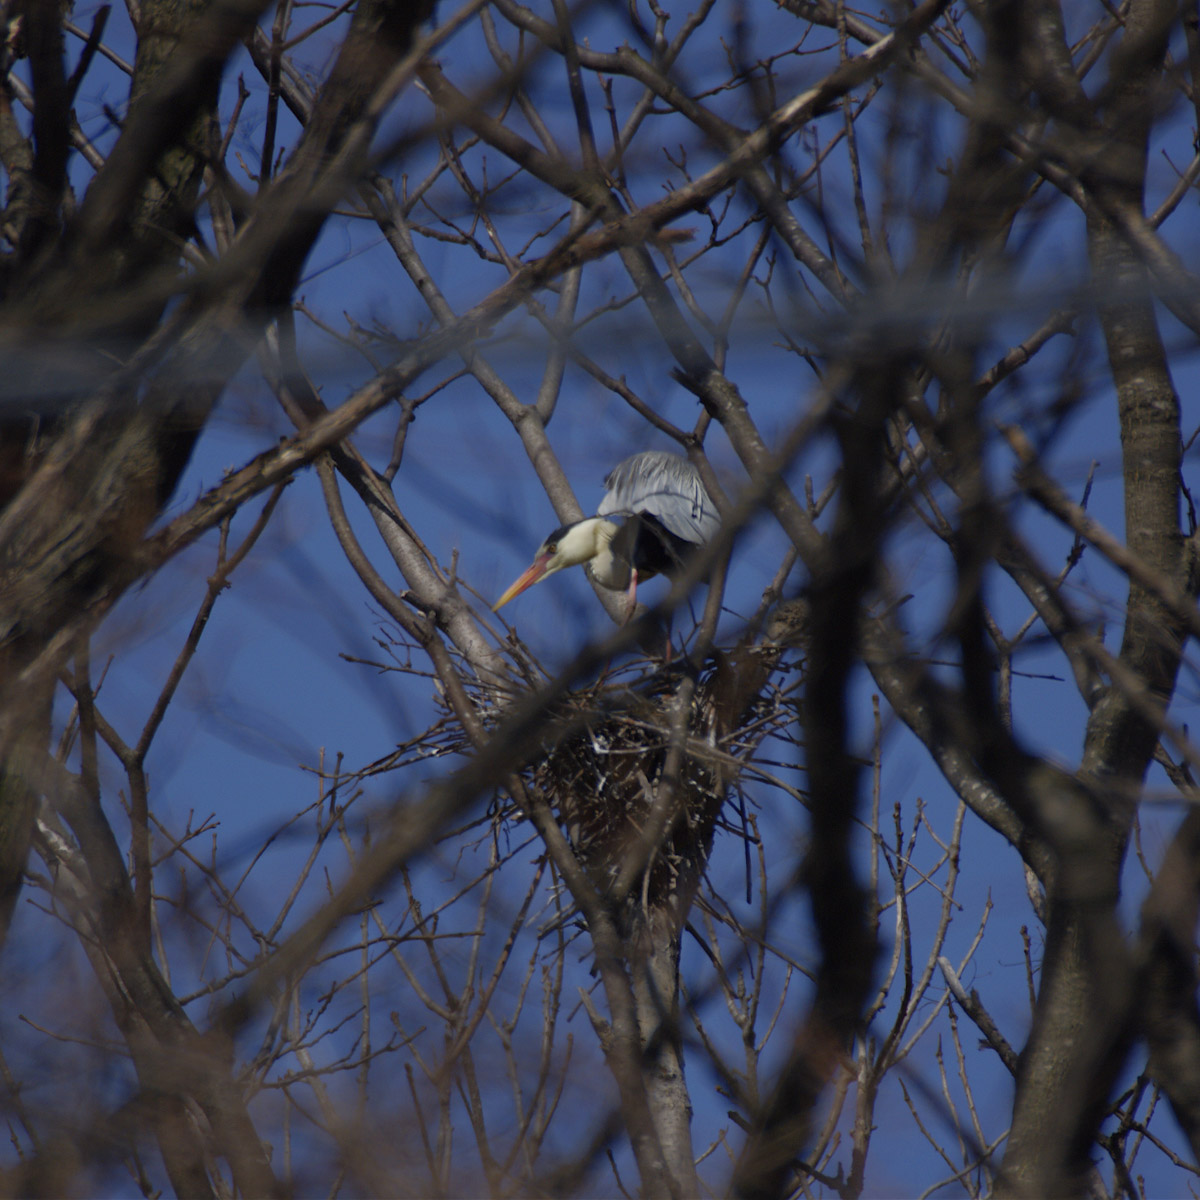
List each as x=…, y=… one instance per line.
x=884, y=878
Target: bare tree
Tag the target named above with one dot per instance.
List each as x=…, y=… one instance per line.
x=910, y=291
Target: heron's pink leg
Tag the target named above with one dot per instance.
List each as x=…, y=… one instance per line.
x=631, y=596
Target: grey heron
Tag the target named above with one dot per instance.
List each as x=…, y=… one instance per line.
x=655, y=512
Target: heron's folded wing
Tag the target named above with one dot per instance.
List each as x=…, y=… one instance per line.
x=667, y=487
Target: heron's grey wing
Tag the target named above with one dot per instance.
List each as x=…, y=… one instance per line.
x=667, y=487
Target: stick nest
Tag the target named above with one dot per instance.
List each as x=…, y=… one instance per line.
x=634, y=776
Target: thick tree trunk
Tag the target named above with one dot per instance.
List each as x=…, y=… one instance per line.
x=655, y=981
x=1085, y=1017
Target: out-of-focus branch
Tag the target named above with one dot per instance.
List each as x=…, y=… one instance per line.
x=170, y=1055
x=1167, y=948
x=839, y=585
x=172, y=90
x=51, y=138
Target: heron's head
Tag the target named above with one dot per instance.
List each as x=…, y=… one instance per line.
x=567, y=546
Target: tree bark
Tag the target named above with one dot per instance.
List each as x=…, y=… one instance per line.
x=1085, y=1019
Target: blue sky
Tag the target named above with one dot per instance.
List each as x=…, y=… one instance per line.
x=271, y=691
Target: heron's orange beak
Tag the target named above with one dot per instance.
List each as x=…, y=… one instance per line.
x=531, y=576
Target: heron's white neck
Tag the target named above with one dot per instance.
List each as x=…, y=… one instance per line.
x=594, y=539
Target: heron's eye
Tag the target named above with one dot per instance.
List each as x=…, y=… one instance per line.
x=552, y=548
